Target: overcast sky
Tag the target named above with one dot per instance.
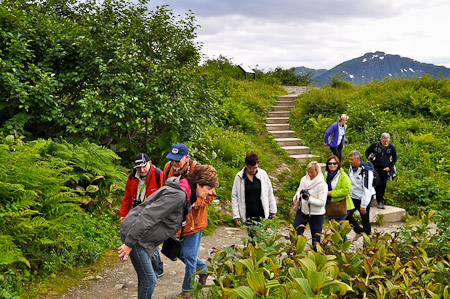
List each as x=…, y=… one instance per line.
x=319, y=33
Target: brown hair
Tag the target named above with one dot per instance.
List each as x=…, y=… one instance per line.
x=204, y=175
x=251, y=159
x=331, y=158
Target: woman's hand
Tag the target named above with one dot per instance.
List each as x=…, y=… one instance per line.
x=124, y=252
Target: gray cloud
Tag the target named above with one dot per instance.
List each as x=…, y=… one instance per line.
x=289, y=10
x=319, y=33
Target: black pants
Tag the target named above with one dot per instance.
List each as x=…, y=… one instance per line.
x=315, y=224
x=381, y=188
x=337, y=151
x=366, y=228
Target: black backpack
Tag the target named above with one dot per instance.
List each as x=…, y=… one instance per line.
x=368, y=166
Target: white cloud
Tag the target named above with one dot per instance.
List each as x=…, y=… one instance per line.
x=319, y=33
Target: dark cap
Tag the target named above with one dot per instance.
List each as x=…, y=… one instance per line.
x=140, y=160
x=177, y=152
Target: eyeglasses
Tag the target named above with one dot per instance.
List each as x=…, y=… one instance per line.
x=252, y=167
x=332, y=163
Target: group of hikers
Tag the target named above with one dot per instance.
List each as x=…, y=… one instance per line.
x=164, y=199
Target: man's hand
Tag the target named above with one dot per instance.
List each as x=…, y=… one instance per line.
x=124, y=251
x=386, y=169
x=363, y=211
x=271, y=216
x=326, y=144
x=121, y=219
x=237, y=221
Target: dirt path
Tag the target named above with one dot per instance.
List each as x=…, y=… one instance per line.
x=120, y=280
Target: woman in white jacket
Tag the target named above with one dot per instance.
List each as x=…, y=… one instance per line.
x=252, y=195
x=311, y=204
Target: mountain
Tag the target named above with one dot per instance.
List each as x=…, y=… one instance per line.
x=304, y=71
x=379, y=65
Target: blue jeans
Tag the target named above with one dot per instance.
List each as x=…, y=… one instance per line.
x=157, y=264
x=340, y=224
x=315, y=224
x=144, y=269
x=188, y=255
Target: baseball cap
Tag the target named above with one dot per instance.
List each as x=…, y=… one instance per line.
x=140, y=160
x=177, y=152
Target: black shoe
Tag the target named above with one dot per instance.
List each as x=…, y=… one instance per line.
x=159, y=275
x=202, y=279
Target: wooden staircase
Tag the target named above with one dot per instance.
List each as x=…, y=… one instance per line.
x=278, y=125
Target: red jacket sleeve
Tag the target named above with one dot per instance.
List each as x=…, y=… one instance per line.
x=127, y=200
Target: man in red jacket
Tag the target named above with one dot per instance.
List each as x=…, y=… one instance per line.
x=143, y=181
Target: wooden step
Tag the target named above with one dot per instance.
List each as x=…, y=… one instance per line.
x=288, y=141
x=279, y=113
x=282, y=108
x=296, y=150
x=305, y=158
x=277, y=127
x=288, y=97
x=277, y=120
x=283, y=103
x=283, y=134
x=390, y=214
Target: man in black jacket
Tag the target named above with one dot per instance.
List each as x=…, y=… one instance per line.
x=383, y=156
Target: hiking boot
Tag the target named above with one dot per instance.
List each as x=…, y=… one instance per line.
x=379, y=205
x=202, y=279
x=382, y=206
x=159, y=275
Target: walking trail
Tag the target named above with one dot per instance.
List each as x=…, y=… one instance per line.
x=118, y=279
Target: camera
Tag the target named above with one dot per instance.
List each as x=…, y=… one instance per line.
x=304, y=194
x=136, y=202
x=372, y=157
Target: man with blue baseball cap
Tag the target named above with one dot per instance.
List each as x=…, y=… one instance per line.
x=180, y=164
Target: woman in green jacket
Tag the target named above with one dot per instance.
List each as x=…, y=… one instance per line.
x=339, y=185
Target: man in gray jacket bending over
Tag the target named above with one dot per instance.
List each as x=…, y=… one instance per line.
x=252, y=195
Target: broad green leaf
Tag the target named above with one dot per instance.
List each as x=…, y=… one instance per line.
x=244, y=292
x=257, y=282
x=303, y=285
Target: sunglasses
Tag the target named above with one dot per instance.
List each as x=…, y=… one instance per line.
x=332, y=163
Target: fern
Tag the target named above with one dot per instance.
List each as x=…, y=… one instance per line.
x=43, y=227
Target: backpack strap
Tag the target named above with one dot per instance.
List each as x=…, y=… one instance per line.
x=185, y=173
x=158, y=176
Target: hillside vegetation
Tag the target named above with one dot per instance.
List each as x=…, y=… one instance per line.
x=415, y=112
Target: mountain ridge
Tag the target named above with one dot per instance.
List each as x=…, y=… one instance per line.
x=375, y=66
